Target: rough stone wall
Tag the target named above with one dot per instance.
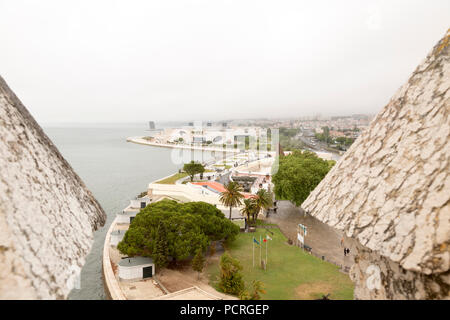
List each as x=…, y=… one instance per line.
x=391, y=189
x=47, y=215
x=377, y=277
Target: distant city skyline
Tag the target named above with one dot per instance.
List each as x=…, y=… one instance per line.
x=121, y=61
x=186, y=122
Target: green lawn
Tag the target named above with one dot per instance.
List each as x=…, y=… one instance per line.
x=225, y=166
x=173, y=178
x=239, y=223
x=291, y=273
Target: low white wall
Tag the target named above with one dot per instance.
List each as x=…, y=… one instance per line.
x=116, y=238
x=123, y=218
x=109, y=279
x=263, y=162
x=136, y=203
x=194, y=193
x=190, y=191
x=130, y=273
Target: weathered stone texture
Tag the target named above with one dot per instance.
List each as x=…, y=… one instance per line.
x=394, y=282
x=47, y=215
x=391, y=189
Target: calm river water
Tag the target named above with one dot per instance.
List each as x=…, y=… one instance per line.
x=115, y=171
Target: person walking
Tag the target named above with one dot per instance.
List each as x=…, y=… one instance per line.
x=345, y=252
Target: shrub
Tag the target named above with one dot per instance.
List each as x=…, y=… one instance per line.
x=231, y=281
x=198, y=262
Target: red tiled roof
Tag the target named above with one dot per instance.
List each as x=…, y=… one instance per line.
x=212, y=184
x=220, y=187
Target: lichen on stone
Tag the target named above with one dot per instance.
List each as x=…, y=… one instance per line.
x=47, y=215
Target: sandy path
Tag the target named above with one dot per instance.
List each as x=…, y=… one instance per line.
x=185, y=277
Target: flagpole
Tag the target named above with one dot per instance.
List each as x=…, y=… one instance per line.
x=253, y=244
x=267, y=243
x=260, y=245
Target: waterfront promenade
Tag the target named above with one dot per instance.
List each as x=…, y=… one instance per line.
x=141, y=140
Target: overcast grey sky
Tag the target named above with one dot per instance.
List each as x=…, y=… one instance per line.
x=129, y=61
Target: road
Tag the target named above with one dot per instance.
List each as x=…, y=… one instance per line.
x=314, y=145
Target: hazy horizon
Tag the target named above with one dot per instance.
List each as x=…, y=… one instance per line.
x=176, y=122
x=176, y=61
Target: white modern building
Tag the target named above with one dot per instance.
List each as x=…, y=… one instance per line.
x=215, y=136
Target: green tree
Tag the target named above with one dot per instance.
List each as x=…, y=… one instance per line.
x=345, y=141
x=198, y=262
x=211, y=221
x=192, y=168
x=189, y=226
x=230, y=275
x=248, y=210
x=232, y=195
x=288, y=139
x=263, y=200
x=298, y=174
x=326, y=131
x=161, y=254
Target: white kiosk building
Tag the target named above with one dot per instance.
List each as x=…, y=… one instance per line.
x=136, y=268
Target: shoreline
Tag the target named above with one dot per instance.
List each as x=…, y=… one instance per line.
x=111, y=285
x=141, y=140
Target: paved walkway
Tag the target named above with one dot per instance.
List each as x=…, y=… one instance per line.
x=324, y=240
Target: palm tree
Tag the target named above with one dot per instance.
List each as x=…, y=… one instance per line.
x=248, y=209
x=263, y=200
x=232, y=195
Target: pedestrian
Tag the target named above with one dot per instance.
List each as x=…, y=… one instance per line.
x=345, y=252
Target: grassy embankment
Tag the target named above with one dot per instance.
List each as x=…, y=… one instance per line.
x=173, y=178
